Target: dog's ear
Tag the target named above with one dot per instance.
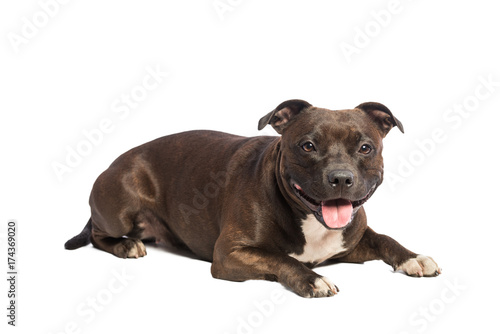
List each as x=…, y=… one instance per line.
x=382, y=116
x=279, y=117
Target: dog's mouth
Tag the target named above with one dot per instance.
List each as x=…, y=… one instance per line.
x=335, y=213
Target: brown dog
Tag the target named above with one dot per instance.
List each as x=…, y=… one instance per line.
x=258, y=208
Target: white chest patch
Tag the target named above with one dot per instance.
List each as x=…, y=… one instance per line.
x=321, y=243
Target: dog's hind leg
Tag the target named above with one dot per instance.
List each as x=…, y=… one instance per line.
x=116, y=235
x=123, y=203
x=122, y=247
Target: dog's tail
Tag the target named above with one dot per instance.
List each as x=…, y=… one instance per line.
x=81, y=239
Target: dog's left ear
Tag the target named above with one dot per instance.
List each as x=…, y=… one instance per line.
x=382, y=116
x=283, y=113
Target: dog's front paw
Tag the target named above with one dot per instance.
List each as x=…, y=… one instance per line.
x=322, y=287
x=315, y=287
x=420, y=266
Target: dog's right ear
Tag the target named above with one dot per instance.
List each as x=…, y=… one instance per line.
x=279, y=117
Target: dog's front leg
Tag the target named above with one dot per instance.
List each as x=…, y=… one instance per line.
x=242, y=263
x=374, y=246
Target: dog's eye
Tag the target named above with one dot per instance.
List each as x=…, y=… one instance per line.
x=365, y=149
x=308, y=147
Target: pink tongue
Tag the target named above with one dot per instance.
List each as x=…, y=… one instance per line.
x=336, y=213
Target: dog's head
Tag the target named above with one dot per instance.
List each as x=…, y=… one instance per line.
x=331, y=160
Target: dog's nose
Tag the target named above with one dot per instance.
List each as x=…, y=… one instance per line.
x=341, y=177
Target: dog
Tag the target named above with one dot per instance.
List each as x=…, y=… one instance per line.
x=262, y=207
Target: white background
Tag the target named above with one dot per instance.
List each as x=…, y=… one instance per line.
x=425, y=60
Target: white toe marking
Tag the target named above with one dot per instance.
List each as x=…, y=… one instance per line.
x=420, y=266
x=323, y=287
